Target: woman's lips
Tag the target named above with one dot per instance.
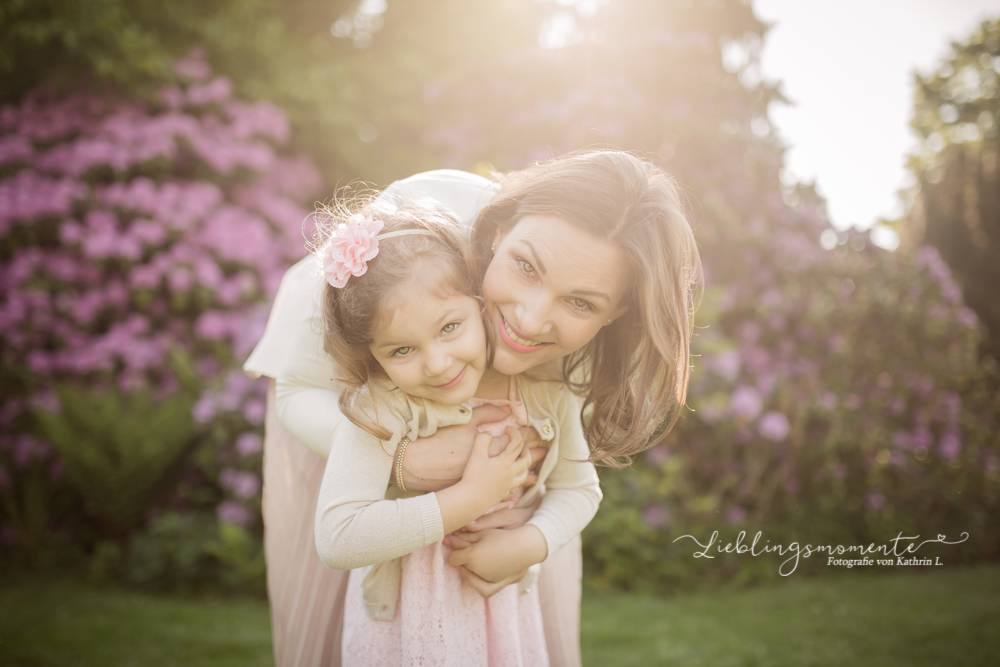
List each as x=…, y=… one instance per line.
x=514, y=340
x=453, y=382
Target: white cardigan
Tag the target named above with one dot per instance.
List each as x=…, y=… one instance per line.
x=362, y=521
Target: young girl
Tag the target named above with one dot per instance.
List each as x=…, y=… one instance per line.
x=403, y=318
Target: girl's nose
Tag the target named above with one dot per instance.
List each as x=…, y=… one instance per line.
x=438, y=361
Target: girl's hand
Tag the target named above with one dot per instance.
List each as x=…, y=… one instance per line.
x=493, y=476
x=497, y=554
x=438, y=461
x=486, y=588
x=485, y=482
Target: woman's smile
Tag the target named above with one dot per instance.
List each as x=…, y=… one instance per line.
x=512, y=338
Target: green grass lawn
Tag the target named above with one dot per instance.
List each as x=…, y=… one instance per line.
x=906, y=618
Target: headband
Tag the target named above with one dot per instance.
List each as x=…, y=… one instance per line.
x=354, y=244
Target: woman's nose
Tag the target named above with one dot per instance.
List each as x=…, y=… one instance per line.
x=534, y=312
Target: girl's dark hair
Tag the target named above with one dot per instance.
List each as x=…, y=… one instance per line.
x=634, y=373
x=351, y=314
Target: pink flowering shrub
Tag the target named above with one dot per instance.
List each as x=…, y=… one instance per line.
x=138, y=240
x=838, y=395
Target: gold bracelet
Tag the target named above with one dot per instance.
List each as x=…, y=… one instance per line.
x=399, y=463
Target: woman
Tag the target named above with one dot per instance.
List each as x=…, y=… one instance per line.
x=588, y=262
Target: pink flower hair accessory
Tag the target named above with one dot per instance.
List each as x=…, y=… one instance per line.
x=354, y=244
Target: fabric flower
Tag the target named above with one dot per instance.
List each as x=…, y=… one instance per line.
x=350, y=250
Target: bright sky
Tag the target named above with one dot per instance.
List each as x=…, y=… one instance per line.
x=846, y=64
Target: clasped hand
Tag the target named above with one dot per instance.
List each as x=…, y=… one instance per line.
x=496, y=550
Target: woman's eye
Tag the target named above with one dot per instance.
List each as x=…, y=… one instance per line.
x=526, y=268
x=581, y=305
x=448, y=328
x=401, y=351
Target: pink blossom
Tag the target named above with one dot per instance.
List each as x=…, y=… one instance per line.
x=658, y=455
x=194, y=65
x=254, y=411
x=215, y=91
x=726, y=364
x=746, y=403
x=875, y=500
x=967, y=318
x=774, y=426
x=950, y=445
x=735, y=514
x=655, y=516
x=214, y=325
x=204, y=410
x=233, y=512
x=248, y=444
x=14, y=148
x=243, y=485
x=46, y=400
x=27, y=449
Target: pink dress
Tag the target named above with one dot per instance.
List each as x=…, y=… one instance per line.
x=440, y=620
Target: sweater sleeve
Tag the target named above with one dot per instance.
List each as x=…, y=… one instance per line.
x=573, y=491
x=355, y=524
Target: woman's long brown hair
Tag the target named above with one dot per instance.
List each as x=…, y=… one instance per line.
x=634, y=373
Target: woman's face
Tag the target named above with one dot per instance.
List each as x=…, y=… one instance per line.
x=549, y=289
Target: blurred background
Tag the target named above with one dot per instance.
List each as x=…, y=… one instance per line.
x=157, y=161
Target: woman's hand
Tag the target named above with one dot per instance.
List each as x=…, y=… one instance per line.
x=503, y=519
x=438, y=461
x=488, y=589
x=495, y=554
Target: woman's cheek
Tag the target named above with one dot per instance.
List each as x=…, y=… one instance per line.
x=493, y=283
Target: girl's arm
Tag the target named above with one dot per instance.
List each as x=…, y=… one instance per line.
x=356, y=526
x=572, y=496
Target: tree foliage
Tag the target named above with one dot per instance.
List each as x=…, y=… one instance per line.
x=957, y=208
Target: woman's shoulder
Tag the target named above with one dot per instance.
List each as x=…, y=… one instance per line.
x=461, y=192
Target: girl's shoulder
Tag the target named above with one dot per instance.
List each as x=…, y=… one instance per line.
x=406, y=415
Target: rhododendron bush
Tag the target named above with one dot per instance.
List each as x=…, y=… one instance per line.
x=838, y=392
x=140, y=244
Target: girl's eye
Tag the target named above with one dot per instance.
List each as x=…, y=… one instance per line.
x=582, y=305
x=526, y=268
x=401, y=351
x=450, y=327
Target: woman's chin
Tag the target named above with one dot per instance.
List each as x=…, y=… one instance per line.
x=509, y=362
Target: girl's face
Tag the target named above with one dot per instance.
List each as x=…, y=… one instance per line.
x=433, y=345
x=549, y=289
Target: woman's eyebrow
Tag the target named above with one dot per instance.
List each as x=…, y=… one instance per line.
x=534, y=255
x=589, y=293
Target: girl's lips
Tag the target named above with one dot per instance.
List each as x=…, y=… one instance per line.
x=507, y=334
x=453, y=382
